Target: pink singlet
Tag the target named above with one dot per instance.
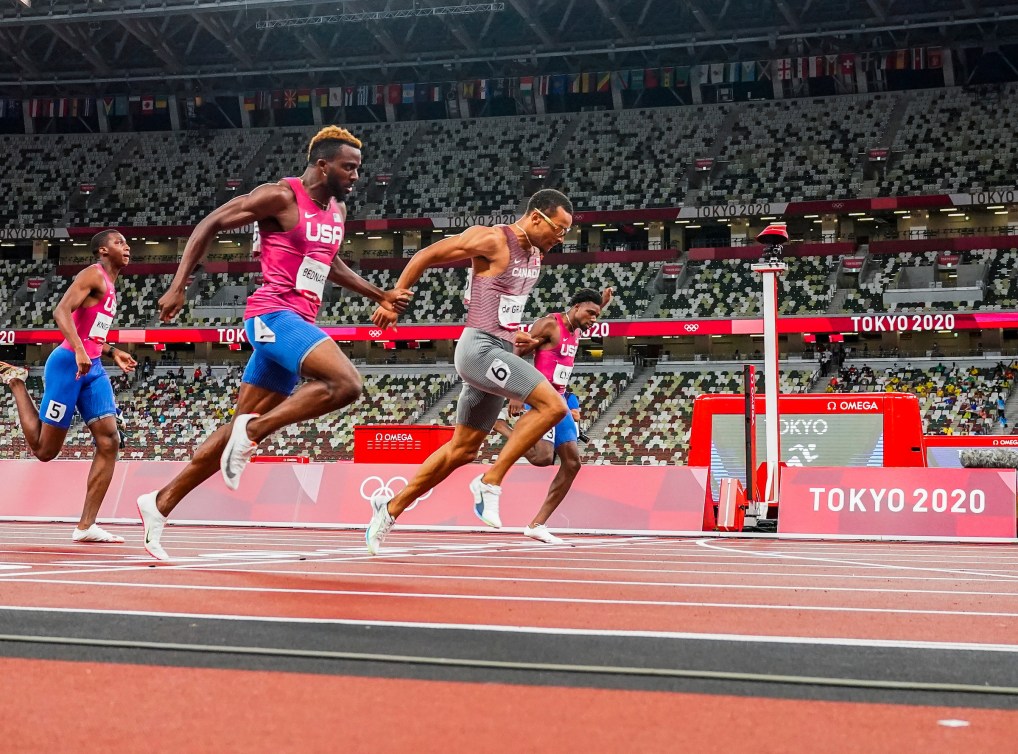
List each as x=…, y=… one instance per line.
x=92, y=323
x=295, y=263
x=557, y=363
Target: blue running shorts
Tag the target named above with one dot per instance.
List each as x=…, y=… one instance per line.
x=92, y=395
x=281, y=341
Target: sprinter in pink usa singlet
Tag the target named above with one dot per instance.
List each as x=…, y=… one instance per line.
x=75, y=381
x=301, y=224
x=555, y=343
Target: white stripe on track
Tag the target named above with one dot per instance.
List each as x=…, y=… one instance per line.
x=544, y=630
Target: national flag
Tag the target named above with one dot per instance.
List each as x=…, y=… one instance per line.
x=934, y=57
x=348, y=96
x=636, y=78
x=832, y=65
x=589, y=82
x=120, y=105
x=764, y=69
x=667, y=78
x=422, y=93
x=60, y=109
x=621, y=79
x=814, y=69
x=303, y=98
x=800, y=68
x=526, y=84
x=162, y=103
x=378, y=96
x=484, y=89
x=681, y=76
x=749, y=70
x=437, y=93
x=249, y=102
x=277, y=99
x=784, y=69
x=363, y=93
x=108, y=105
x=651, y=78
x=289, y=99
x=575, y=83
x=466, y=89
x=86, y=107
x=559, y=83
x=50, y=109
x=73, y=107
x=701, y=74
x=321, y=96
x=408, y=94
x=604, y=81
x=395, y=94
x=846, y=64
x=717, y=73
x=734, y=72
x=918, y=58
x=3, y=107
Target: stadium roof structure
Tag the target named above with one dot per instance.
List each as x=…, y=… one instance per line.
x=90, y=46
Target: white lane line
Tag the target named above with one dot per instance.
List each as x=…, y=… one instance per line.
x=389, y=576
x=526, y=599
x=547, y=630
x=894, y=567
x=203, y=563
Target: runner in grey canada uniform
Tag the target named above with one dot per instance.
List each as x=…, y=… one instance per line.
x=506, y=262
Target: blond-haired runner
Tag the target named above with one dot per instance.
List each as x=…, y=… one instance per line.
x=301, y=222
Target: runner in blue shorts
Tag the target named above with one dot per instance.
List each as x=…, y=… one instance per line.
x=75, y=380
x=555, y=342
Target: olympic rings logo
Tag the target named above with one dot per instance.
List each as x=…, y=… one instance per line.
x=382, y=487
x=375, y=333
x=692, y=328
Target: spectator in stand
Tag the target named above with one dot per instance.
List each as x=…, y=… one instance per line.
x=197, y=373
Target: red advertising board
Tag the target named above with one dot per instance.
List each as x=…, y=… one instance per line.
x=651, y=499
x=856, y=323
x=898, y=502
x=398, y=443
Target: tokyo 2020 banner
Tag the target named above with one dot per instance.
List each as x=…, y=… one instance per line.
x=906, y=502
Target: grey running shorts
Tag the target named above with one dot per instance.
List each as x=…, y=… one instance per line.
x=491, y=372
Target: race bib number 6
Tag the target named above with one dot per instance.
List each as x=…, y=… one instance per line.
x=499, y=372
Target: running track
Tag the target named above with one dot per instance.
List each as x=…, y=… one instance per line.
x=296, y=640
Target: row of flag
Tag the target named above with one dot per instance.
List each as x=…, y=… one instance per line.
x=525, y=87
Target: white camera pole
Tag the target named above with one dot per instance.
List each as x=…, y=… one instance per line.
x=770, y=267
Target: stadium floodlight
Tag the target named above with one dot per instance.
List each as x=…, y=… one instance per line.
x=26, y=3
x=343, y=18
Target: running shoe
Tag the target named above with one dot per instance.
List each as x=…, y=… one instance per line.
x=153, y=521
x=486, y=497
x=381, y=522
x=95, y=533
x=541, y=534
x=238, y=451
x=10, y=372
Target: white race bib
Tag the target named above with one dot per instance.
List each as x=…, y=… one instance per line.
x=510, y=310
x=561, y=375
x=311, y=278
x=101, y=327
